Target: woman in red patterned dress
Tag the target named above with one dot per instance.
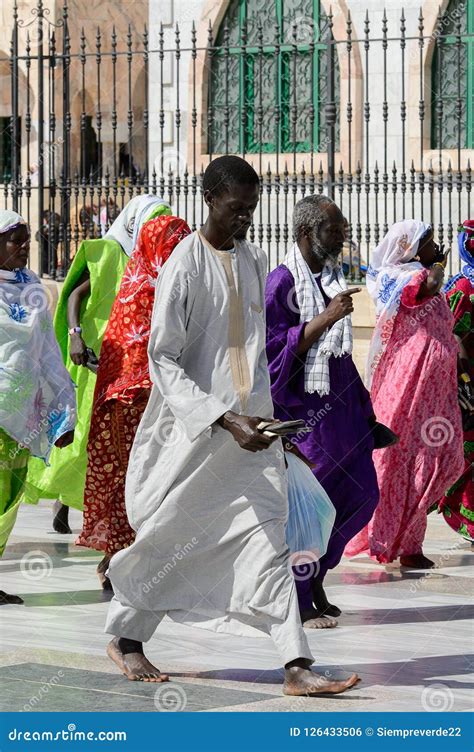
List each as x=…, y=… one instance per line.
x=122, y=390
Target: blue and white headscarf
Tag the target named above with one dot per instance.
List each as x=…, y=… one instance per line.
x=391, y=268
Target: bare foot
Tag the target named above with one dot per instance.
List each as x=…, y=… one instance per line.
x=302, y=681
x=134, y=665
x=6, y=598
x=61, y=519
x=416, y=561
x=323, y=607
x=320, y=622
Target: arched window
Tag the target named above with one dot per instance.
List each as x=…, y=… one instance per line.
x=268, y=78
x=453, y=67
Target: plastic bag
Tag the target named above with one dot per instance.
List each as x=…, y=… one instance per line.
x=311, y=513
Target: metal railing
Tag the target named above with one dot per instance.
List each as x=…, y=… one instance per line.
x=97, y=120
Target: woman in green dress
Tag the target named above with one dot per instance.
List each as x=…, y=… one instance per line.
x=81, y=317
x=37, y=399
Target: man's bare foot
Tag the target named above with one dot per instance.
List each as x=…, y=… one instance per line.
x=322, y=605
x=61, y=518
x=302, y=681
x=416, y=561
x=320, y=622
x=311, y=619
x=134, y=665
x=7, y=598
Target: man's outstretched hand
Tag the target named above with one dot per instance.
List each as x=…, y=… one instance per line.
x=244, y=430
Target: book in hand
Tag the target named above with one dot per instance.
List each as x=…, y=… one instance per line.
x=283, y=428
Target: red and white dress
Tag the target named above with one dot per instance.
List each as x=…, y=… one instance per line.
x=122, y=389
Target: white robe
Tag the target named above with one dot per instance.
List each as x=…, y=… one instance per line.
x=210, y=517
x=37, y=396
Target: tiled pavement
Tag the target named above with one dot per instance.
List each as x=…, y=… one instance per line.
x=409, y=636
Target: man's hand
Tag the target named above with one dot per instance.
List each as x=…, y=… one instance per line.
x=341, y=305
x=244, y=430
x=64, y=440
x=77, y=350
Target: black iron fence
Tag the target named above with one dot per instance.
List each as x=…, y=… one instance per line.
x=378, y=115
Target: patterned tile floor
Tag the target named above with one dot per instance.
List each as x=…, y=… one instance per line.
x=409, y=636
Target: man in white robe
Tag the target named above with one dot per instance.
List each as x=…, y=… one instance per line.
x=206, y=491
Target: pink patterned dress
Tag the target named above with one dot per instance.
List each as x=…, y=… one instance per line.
x=414, y=392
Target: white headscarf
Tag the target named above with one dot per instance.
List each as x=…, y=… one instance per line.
x=9, y=220
x=126, y=227
x=390, y=269
x=37, y=399
x=337, y=340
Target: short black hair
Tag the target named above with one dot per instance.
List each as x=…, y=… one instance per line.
x=224, y=172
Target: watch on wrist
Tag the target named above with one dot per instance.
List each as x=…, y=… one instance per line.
x=74, y=330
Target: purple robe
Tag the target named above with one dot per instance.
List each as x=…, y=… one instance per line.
x=340, y=444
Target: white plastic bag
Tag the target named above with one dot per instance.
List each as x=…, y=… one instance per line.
x=311, y=513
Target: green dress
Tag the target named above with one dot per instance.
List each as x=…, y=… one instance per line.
x=64, y=477
x=13, y=463
x=105, y=260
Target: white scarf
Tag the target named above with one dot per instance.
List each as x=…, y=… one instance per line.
x=335, y=341
x=37, y=399
x=126, y=227
x=10, y=219
x=391, y=268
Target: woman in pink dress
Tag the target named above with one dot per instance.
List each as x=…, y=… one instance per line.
x=412, y=374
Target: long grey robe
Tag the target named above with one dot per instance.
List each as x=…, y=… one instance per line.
x=210, y=517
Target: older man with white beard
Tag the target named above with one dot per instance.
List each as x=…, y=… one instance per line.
x=313, y=377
